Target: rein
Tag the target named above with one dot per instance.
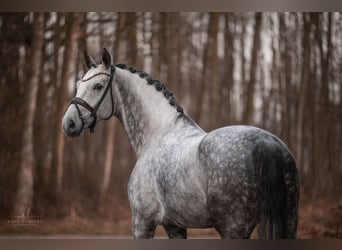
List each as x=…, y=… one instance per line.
x=93, y=110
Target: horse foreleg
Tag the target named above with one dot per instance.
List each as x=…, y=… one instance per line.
x=143, y=228
x=175, y=232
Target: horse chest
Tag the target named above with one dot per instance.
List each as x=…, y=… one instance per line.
x=171, y=191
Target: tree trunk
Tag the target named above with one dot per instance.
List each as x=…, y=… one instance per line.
x=214, y=114
x=155, y=44
x=111, y=127
x=15, y=32
x=227, y=83
x=209, y=81
x=162, y=48
x=40, y=133
x=55, y=82
x=108, y=165
x=243, y=84
x=249, y=108
x=303, y=88
x=325, y=137
x=285, y=78
x=68, y=68
x=174, y=50
x=24, y=196
x=132, y=57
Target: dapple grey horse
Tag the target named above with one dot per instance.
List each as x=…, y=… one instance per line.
x=232, y=178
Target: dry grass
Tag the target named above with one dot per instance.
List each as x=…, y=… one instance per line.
x=320, y=219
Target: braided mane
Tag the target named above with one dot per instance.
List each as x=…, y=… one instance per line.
x=157, y=84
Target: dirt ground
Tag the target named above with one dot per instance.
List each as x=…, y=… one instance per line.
x=319, y=219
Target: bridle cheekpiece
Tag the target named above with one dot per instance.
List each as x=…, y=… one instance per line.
x=79, y=101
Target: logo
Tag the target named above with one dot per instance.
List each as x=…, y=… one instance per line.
x=26, y=219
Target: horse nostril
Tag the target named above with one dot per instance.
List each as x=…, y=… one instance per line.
x=71, y=124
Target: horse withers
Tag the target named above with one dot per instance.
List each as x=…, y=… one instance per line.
x=232, y=178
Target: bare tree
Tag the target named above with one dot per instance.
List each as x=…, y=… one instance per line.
x=110, y=140
x=24, y=196
x=285, y=79
x=250, y=88
x=209, y=79
x=303, y=87
x=227, y=83
x=70, y=51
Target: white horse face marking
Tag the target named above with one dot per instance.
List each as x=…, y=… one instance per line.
x=95, y=92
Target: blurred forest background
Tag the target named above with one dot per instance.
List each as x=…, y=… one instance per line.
x=278, y=71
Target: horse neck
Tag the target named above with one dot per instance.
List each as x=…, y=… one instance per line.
x=144, y=112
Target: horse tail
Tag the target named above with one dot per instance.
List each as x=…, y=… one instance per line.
x=278, y=199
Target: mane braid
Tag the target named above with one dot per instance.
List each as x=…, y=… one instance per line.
x=157, y=84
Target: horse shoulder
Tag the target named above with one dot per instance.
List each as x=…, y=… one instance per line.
x=143, y=193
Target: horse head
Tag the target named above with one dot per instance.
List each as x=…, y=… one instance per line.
x=94, y=98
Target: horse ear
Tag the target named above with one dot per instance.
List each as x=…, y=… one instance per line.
x=89, y=61
x=106, y=60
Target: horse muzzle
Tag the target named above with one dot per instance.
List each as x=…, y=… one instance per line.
x=72, y=125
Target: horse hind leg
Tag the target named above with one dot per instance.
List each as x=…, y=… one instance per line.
x=233, y=230
x=174, y=232
x=234, y=218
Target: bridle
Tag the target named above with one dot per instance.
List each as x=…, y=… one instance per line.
x=79, y=101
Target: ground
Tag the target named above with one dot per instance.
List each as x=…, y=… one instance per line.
x=317, y=219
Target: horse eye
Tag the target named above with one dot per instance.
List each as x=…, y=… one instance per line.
x=98, y=86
